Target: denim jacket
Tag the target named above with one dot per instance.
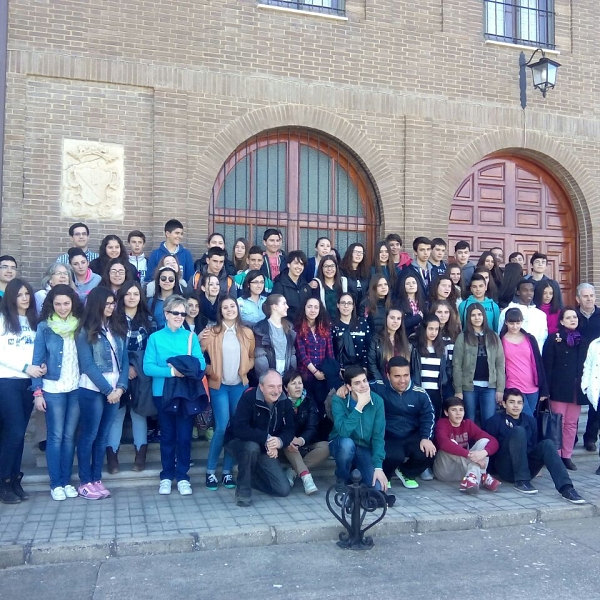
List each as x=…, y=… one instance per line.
x=96, y=359
x=48, y=350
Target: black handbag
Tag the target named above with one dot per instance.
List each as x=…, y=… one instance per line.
x=549, y=425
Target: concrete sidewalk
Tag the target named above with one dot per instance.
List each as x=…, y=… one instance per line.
x=136, y=520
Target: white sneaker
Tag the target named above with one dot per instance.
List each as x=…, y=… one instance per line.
x=70, y=491
x=309, y=485
x=427, y=475
x=184, y=487
x=165, y=487
x=291, y=476
x=58, y=493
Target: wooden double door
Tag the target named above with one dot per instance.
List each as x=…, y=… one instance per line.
x=515, y=204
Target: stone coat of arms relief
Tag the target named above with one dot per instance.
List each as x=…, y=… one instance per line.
x=92, y=180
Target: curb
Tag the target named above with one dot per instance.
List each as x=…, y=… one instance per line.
x=247, y=537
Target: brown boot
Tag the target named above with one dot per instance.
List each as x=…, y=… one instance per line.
x=139, y=464
x=112, y=460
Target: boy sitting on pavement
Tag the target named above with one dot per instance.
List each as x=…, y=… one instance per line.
x=357, y=438
x=463, y=450
x=521, y=457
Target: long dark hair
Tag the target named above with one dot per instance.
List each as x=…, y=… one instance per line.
x=495, y=271
x=362, y=271
x=176, y=288
x=142, y=316
x=513, y=273
x=9, y=310
x=491, y=339
x=403, y=295
x=353, y=319
x=392, y=279
x=93, y=315
x=337, y=280
x=103, y=257
x=240, y=263
x=452, y=328
x=248, y=279
x=238, y=320
x=401, y=345
x=372, y=299
x=538, y=294
x=322, y=322
x=423, y=343
x=453, y=297
x=105, y=281
x=61, y=290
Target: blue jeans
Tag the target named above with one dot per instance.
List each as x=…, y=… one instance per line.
x=96, y=419
x=175, y=442
x=138, y=426
x=482, y=397
x=530, y=403
x=16, y=404
x=62, y=418
x=224, y=401
x=349, y=456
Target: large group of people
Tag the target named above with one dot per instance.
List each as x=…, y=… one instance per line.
x=413, y=368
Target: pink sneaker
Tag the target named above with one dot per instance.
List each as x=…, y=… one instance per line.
x=89, y=492
x=100, y=487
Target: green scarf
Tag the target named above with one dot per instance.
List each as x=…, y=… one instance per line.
x=299, y=401
x=63, y=327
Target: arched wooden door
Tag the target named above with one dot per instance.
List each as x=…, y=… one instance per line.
x=515, y=204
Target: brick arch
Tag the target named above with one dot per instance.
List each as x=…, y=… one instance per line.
x=289, y=115
x=548, y=153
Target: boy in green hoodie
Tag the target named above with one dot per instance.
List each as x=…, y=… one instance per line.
x=357, y=438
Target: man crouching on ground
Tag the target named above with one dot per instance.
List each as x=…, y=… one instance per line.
x=263, y=425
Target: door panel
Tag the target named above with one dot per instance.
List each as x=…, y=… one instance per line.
x=516, y=205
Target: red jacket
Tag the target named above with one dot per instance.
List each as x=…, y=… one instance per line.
x=458, y=440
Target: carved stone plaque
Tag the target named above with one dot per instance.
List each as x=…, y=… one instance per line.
x=92, y=180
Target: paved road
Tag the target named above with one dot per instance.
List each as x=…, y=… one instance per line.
x=557, y=561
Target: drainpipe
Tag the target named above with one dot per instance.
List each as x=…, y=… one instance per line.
x=3, y=67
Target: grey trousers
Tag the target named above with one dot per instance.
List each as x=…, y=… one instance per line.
x=450, y=467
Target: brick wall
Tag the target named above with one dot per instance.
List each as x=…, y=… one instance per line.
x=411, y=88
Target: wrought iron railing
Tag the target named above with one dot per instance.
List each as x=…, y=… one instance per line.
x=327, y=7
x=525, y=22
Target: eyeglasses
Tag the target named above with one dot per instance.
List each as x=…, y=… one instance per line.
x=169, y=279
x=62, y=273
x=112, y=272
x=349, y=303
x=258, y=282
x=328, y=266
x=8, y=268
x=176, y=313
x=113, y=303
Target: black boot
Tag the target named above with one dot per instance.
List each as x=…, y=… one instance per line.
x=569, y=464
x=140, y=458
x=17, y=488
x=7, y=496
x=112, y=460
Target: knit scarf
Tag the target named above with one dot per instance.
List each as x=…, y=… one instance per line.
x=63, y=327
x=573, y=338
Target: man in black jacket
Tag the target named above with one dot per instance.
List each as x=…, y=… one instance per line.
x=409, y=422
x=521, y=457
x=263, y=425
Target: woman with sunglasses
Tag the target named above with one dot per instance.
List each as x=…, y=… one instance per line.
x=57, y=393
x=166, y=261
x=229, y=346
x=175, y=427
x=166, y=283
x=252, y=299
x=104, y=368
x=18, y=324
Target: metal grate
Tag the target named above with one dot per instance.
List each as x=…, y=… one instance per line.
x=327, y=7
x=524, y=22
x=299, y=181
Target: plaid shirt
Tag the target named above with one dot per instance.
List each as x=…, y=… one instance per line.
x=312, y=349
x=136, y=338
